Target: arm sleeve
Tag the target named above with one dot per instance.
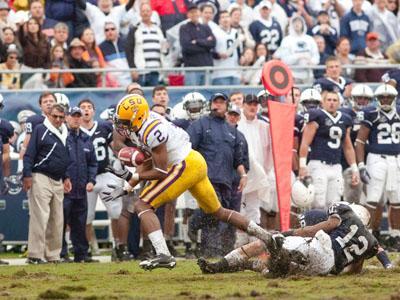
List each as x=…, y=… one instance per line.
x=186, y=42
x=130, y=47
x=205, y=43
x=195, y=134
x=30, y=154
x=367, y=120
x=92, y=165
x=238, y=155
x=344, y=27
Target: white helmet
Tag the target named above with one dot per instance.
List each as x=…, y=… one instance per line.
x=310, y=98
x=1, y=102
x=303, y=192
x=63, y=100
x=388, y=91
x=361, y=90
x=362, y=213
x=194, y=103
x=23, y=115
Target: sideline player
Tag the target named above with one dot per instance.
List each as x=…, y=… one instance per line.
x=327, y=133
x=327, y=243
x=175, y=169
x=100, y=133
x=381, y=172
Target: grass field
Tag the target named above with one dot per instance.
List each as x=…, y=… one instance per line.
x=127, y=281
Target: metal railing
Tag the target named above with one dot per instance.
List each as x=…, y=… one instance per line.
x=177, y=70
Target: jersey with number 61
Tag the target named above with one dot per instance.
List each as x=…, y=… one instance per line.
x=156, y=130
x=351, y=240
x=384, y=137
x=101, y=137
x=328, y=140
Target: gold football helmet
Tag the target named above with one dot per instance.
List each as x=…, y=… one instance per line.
x=130, y=114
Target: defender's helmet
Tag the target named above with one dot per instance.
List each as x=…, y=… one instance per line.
x=386, y=96
x=361, y=96
x=310, y=98
x=194, y=103
x=303, y=192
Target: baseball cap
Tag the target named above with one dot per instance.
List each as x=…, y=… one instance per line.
x=251, y=98
x=234, y=109
x=75, y=110
x=323, y=12
x=266, y=3
x=372, y=36
x=191, y=6
x=219, y=95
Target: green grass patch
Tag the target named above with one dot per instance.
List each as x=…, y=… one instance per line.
x=128, y=281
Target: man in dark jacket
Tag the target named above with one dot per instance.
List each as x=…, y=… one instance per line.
x=197, y=41
x=82, y=172
x=221, y=147
x=45, y=164
x=76, y=61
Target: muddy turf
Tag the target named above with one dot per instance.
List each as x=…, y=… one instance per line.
x=127, y=281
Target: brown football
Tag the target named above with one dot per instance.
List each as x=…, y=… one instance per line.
x=131, y=156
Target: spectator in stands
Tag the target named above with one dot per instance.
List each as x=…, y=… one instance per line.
x=227, y=52
x=332, y=80
x=10, y=81
x=207, y=14
x=245, y=14
x=372, y=55
x=392, y=6
x=113, y=49
x=59, y=60
x=45, y=165
x=344, y=56
x=64, y=11
x=8, y=38
x=266, y=29
x=36, y=48
x=324, y=29
x=145, y=48
x=36, y=11
x=247, y=60
x=76, y=61
x=355, y=25
x=299, y=49
x=82, y=172
x=384, y=23
x=276, y=11
x=244, y=34
x=4, y=17
x=60, y=35
x=171, y=12
x=335, y=10
x=320, y=41
x=196, y=42
x=236, y=98
x=104, y=12
x=260, y=56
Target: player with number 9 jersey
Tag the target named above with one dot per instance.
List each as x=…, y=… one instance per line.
x=327, y=134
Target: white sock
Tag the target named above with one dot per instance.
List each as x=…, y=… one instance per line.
x=235, y=258
x=395, y=232
x=158, y=241
x=185, y=233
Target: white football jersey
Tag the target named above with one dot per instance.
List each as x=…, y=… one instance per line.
x=156, y=130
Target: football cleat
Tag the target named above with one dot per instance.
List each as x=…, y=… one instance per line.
x=159, y=261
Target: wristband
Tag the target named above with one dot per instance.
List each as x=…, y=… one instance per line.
x=361, y=165
x=135, y=176
x=302, y=162
x=354, y=168
x=243, y=175
x=127, y=187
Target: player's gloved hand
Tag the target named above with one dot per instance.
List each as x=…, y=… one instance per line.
x=123, y=174
x=364, y=175
x=114, y=193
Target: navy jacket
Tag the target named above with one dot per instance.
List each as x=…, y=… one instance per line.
x=46, y=154
x=355, y=28
x=198, y=54
x=83, y=164
x=220, y=145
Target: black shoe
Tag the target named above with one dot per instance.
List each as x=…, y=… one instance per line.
x=122, y=254
x=87, y=259
x=35, y=261
x=2, y=262
x=147, y=250
x=158, y=261
x=171, y=248
x=66, y=259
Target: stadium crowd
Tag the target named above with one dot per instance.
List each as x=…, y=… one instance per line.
x=337, y=115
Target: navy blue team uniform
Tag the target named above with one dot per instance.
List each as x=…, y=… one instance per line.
x=326, y=84
x=384, y=137
x=351, y=240
x=271, y=36
x=331, y=132
x=101, y=136
x=298, y=125
x=32, y=122
x=6, y=132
